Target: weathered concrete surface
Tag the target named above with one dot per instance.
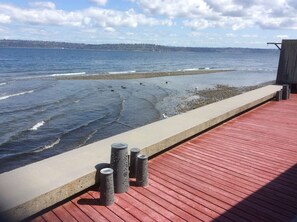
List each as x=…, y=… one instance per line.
x=29, y=189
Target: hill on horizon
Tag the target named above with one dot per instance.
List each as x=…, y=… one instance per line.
x=11, y=43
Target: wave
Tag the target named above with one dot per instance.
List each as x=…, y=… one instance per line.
x=3, y=83
x=16, y=94
x=122, y=72
x=46, y=147
x=4, y=60
x=88, y=138
x=36, y=150
x=192, y=69
x=69, y=74
x=37, y=125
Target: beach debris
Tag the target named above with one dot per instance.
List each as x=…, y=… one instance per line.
x=123, y=87
x=112, y=90
x=164, y=115
x=166, y=82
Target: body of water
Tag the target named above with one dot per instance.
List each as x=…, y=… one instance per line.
x=41, y=116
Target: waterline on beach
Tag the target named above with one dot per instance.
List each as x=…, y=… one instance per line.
x=143, y=75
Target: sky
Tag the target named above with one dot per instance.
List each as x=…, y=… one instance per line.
x=193, y=23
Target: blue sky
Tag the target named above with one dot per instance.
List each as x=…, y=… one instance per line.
x=196, y=23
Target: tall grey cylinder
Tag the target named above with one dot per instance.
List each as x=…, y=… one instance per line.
x=133, y=156
x=142, y=170
x=106, y=187
x=278, y=95
x=120, y=164
x=286, y=92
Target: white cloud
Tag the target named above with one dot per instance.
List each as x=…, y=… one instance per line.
x=184, y=20
x=197, y=24
x=48, y=5
x=41, y=16
x=233, y=14
x=88, y=17
x=99, y=2
x=109, y=29
x=249, y=36
x=282, y=36
x=112, y=18
x=4, y=19
x=174, y=9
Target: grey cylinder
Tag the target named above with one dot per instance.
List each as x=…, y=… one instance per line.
x=142, y=170
x=286, y=92
x=106, y=187
x=278, y=95
x=133, y=156
x=120, y=165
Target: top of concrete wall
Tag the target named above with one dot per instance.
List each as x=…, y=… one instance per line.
x=29, y=189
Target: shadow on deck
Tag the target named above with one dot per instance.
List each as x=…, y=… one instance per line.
x=282, y=206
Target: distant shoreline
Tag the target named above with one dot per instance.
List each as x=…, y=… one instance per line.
x=15, y=43
x=124, y=76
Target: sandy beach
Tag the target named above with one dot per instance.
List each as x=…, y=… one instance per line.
x=142, y=75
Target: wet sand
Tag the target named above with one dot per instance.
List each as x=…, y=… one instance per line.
x=123, y=76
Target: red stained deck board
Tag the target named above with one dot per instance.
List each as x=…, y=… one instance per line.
x=38, y=219
x=50, y=217
x=242, y=170
x=63, y=214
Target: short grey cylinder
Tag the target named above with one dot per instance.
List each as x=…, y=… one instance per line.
x=278, y=95
x=120, y=165
x=106, y=187
x=133, y=156
x=142, y=170
x=286, y=92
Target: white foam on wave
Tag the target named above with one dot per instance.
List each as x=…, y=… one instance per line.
x=46, y=147
x=16, y=94
x=88, y=137
x=69, y=74
x=37, y=125
x=122, y=72
x=191, y=69
x=2, y=83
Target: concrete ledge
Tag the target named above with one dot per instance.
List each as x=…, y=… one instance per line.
x=29, y=189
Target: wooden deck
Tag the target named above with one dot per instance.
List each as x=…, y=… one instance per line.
x=243, y=170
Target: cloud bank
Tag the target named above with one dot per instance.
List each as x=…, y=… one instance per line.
x=235, y=14
x=45, y=13
x=172, y=22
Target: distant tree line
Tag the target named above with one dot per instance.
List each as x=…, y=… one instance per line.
x=7, y=43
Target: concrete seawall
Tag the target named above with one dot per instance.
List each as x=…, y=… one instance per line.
x=29, y=189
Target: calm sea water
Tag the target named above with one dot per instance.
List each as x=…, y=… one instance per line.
x=41, y=116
